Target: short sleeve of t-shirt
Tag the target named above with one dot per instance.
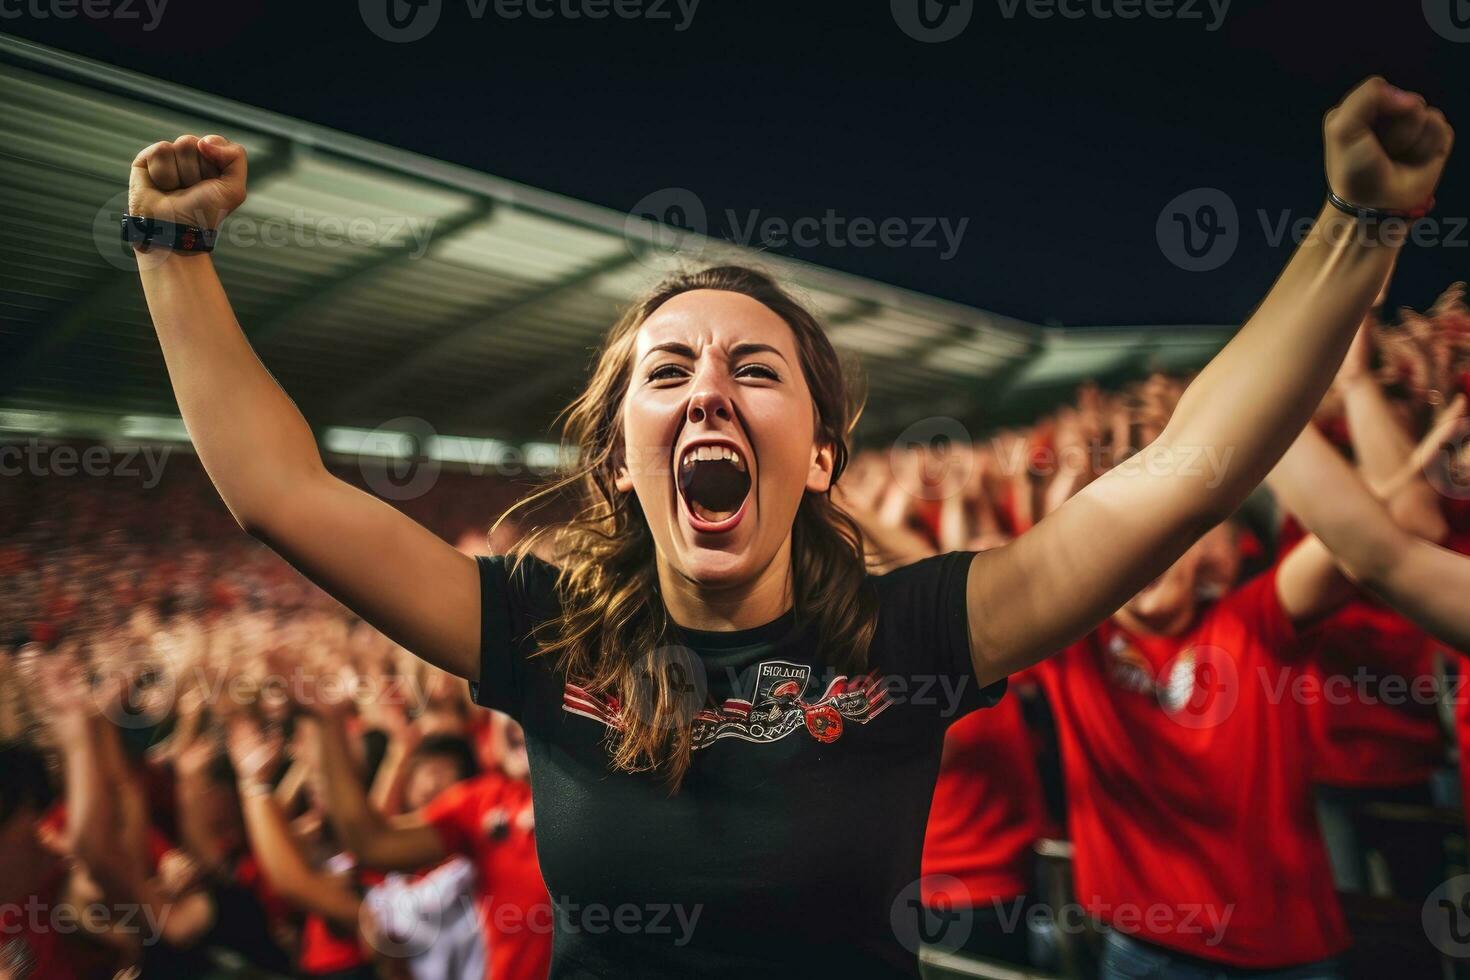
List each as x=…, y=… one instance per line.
x=1257, y=604
x=456, y=815
x=923, y=635
x=514, y=598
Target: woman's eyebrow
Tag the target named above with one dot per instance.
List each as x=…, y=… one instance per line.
x=670, y=347
x=750, y=347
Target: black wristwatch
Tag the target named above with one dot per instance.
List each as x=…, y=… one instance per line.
x=146, y=232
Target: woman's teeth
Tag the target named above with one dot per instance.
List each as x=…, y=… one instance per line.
x=705, y=453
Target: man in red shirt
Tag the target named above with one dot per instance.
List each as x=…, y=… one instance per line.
x=487, y=819
x=1186, y=751
x=987, y=814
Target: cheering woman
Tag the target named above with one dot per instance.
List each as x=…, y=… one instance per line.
x=733, y=729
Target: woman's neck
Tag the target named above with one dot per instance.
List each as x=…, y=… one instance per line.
x=741, y=606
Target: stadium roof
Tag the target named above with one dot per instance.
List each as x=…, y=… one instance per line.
x=379, y=284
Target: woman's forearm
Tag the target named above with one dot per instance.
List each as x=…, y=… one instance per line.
x=1248, y=404
x=1321, y=490
x=249, y=435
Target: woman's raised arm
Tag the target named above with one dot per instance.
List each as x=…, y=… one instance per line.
x=257, y=448
x=1385, y=149
x=1425, y=582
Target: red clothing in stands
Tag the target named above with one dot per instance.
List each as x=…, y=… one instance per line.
x=1369, y=728
x=325, y=949
x=988, y=809
x=1188, y=783
x=1375, y=723
x=48, y=942
x=485, y=819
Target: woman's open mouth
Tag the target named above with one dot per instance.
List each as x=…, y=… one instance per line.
x=714, y=484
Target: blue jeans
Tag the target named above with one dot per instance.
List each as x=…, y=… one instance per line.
x=1128, y=959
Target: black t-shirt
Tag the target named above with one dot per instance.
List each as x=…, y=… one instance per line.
x=794, y=842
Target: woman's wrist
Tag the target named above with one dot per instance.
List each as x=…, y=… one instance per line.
x=1333, y=226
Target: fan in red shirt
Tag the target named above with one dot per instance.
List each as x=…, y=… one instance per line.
x=987, y=814
x=487, y=819
x=1187, y=761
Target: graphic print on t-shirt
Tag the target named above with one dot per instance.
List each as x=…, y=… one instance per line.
x=776, y=708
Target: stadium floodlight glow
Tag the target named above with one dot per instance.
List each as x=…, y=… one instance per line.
x=153, y=428
x=368, y=442
x=549, y=455
x=465, y=449
x=37, y=423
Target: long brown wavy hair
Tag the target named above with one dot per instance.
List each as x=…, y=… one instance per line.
x=613, y=626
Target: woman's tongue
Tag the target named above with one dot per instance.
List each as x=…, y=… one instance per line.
x=713, y=491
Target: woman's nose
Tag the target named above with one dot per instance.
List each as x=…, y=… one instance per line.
x=709, y=403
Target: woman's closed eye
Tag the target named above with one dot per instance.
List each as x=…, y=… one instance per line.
x=675, y=372
x=757, y=371
x=667, y=372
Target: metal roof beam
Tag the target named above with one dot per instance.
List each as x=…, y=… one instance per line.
x=317, y=294
x=426, y=356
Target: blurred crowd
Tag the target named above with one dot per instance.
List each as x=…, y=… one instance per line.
x=208, y=767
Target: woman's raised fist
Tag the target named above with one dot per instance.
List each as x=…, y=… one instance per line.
x=189, y=181
x=1385, y=147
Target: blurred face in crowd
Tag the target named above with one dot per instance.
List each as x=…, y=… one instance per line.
x=432, y=774
x=1167, y=605
x=718, y=428
x=514, y=761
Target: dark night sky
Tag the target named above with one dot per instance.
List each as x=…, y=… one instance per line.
x=1060, y=140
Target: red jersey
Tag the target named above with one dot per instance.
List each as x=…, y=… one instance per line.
x=1187, y=767
x=1375, y=722
x=988, y=809
x=487, y=820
